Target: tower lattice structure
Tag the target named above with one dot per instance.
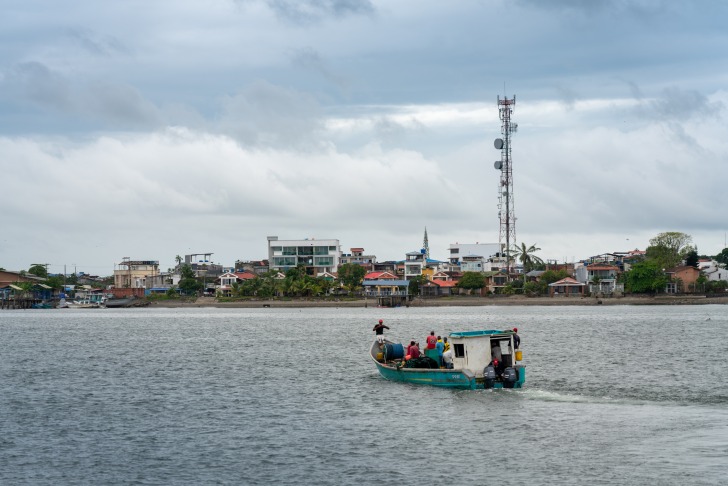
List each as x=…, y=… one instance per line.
x=506, y=207
x=426, y=246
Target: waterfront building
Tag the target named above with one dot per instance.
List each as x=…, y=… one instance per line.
x=132, y=274
x=316, y=256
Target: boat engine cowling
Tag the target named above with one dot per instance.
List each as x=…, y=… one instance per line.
x=489, y=376
x=510, y=377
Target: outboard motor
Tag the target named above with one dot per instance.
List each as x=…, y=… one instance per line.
x=510, y=377
x=489, y=376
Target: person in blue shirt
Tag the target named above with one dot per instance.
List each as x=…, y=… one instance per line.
x=440, y=345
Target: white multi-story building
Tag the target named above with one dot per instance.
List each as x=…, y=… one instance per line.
x=414, y=264
x=460, y=250
x=317, y=256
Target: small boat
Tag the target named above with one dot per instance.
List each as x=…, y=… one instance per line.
x=83, y=304
x=91, y=301
x=120, y=302
x=473, y=354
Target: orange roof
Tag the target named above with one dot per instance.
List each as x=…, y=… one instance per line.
x=244, y=275
x=379, y=276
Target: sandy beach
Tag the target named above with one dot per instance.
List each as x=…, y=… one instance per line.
x=452, y=301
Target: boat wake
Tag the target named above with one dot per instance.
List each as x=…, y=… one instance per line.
x=551, y=396
x=652, y=400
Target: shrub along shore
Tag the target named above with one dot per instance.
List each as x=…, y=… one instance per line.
x=449, y=301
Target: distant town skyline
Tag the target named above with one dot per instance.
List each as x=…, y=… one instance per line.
x=207, y=127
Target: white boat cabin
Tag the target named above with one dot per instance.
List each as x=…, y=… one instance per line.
x=474, y=350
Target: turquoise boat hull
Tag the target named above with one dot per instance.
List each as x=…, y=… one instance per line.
x=457, y=379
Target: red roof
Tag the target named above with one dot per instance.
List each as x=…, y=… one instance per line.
x=379, y=276
x=244, y=275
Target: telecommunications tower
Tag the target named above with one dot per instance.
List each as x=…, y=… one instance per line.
x=506, y=213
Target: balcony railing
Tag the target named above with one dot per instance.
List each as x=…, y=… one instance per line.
x=386, y=293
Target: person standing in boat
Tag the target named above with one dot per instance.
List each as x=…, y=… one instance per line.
x=379, y=331
x=447, y=359
x=440, y=345
x=516, y=338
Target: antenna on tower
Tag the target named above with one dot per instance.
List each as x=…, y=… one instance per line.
x=426, y=246
x=506, y=212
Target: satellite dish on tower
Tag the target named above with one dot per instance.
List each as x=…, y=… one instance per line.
x=498, y=143
x=498, y=165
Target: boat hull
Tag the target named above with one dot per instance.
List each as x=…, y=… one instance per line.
x=462, y=379
x=457, y=379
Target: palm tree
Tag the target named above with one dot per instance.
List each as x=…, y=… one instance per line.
x=525, y=254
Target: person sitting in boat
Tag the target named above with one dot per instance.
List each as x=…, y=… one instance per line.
x=498, y=366
x=447, y=359
x=413, y=350
x=431, y=341
x=379, y=330
x=495, y=352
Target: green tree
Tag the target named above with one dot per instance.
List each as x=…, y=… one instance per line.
x=188, y=284
x=38, y=271
x=691, y=259
x=645, y=277
x=722, y=257
x=325, y=284
x=716, y=286
x=532, y=289
x=551, y=276
x=351, y=276
x=55, y=282
x=526, y=255
x=415, y=284
x=471, y=281
x=669, y=249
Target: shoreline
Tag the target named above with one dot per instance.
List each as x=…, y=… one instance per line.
x=451, y=302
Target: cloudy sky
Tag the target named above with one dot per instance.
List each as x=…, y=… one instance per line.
x=153, y=129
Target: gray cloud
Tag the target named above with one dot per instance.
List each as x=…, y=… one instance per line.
x=311, y=11
x=309, y=59
x=97, y=44
x=282, y=129
x=268, y=115
x=676, y=104
x=35, y=82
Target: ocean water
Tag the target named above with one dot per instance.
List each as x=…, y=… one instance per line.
x=627, y=395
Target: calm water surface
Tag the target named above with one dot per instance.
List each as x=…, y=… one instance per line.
x=626, y=395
